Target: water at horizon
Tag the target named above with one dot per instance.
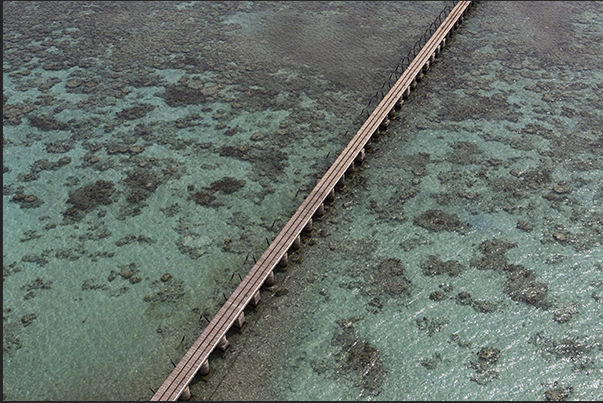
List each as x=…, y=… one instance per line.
x=204, y=119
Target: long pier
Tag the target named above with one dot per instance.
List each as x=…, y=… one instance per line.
x=247, y=293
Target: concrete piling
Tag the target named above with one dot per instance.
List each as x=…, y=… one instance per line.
x=223, y=344
x=320, y=211
x=284, y=262
x=240, y=321
x=269, y=282
x=308, y=226
x=255, y=300
x=361, y=155
x=351, y=169
x=331, y=196
x=296, y=243
x=186, y=394
x=204, y=369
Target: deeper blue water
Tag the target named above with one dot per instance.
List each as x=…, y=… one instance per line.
x=151, y=148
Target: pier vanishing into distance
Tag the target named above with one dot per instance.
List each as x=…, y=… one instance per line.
x=262, y=273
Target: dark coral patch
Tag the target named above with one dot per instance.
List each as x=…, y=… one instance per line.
x=203, y=198
x=135, y=112
x=492, y=254
x=438, y=220
x=391, y=279
x=88, y=197
x=227, y=185
x=434, y=266
x=522, y=285
x=181, y=95
x=46, y=123
x=142, y=184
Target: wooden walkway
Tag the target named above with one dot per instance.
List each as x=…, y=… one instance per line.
x=231, y=311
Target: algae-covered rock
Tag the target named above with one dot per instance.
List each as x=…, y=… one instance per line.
x=438, y=220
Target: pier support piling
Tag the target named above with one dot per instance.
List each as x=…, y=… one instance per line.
x=269, y=282
x=284, y=261
x=308, y=226
x=204, y=369
x=186, y=394
x=351, y=169
x=331, y=196
x=361, y=155
x=240, y=321
x=296, y=243
x=320, y=211
x=223, y=344
x=255, y=300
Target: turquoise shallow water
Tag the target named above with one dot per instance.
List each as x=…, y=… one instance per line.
x=502, y=139
x=149, y=151
x=497, y=296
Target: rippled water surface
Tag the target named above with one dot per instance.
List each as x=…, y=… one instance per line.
x=150, y=149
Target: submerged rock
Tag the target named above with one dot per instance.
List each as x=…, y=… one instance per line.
x=135, y=112
x=561, y=188
x=27, y=200
x=575, y=349
x=484, y=374
x=168, y=291
x=564, y=315
x=464, y=298
x=431, y=326
x=142, y=184
x=203, y=198
x=521, y=285
x=434, y=266
x=525, y=226
x=73, y=83
x=437, y=296
x=37, y=284
x=489, y=354
x=482, y=306
x=47, y=123
x=181, y=95
x=390, y=278
x=227, y=185
x=465, y=152
x=433, y=362
x=360, y=358
x=88, y=197
x=27, y=320
x=438, y=220
x=558, y=394
x=492, y=254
